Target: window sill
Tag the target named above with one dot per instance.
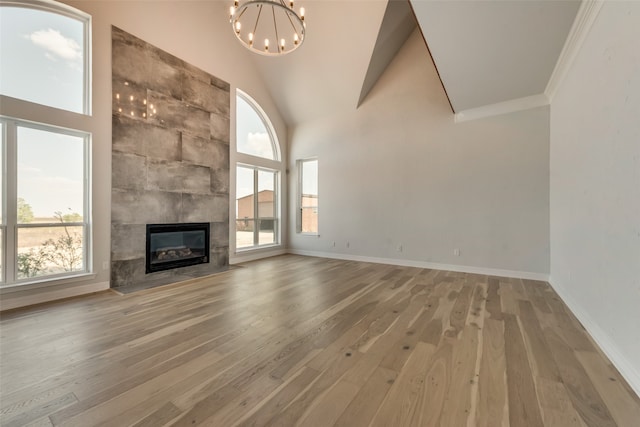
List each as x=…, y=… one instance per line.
x=257, y=248
x=45, y=283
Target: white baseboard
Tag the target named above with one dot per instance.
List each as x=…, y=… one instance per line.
x=255, y=255
x=41, y=295
x=604, y=341
x=423, y=264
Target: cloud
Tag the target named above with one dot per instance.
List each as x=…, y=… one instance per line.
x=259, y=144
x=57, y=45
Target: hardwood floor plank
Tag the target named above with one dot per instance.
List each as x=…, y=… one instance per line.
x=312, y=395
x=494, y=304
x=295, y=340
x=402, y=401
x=492, y=409
x=433, y=395
x=457, y=407
x=585, y=398
x=557, y=409
x=330, y=406
x=624, y=407
x=280, y=399
x=542, y=361
x=35, y=413
x=160, y=417
x=367, y=402
x=524, y=409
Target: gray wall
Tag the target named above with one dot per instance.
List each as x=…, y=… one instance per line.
x=399, y=172
x=595, y=186
x=170, y=159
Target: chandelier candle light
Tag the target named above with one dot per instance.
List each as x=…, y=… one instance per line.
x=257, y=22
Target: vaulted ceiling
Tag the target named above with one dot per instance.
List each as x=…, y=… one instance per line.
x=486, y=52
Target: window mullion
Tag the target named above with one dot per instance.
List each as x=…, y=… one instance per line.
x=256, y=221
x=11, y=197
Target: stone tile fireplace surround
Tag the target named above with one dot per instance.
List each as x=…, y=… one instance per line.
x=170, y=158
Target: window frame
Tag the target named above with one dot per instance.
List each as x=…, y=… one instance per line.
x=299, y=224
x=256, y=209
x=275, y=145
x=10, y=225
x=258, y=164
x=73, y=13
x=16, y=112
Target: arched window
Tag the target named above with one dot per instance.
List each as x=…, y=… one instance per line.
x=45, y=72
x=258, y=169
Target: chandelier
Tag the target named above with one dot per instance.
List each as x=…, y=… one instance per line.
x=268, y=27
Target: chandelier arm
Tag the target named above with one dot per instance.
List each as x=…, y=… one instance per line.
x=295, y=30
x=275, y=27
x=255, y=27
x=240, y=16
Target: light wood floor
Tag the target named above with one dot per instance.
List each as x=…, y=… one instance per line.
x=312, y=342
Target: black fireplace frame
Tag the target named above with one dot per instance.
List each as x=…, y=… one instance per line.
x=170, y=228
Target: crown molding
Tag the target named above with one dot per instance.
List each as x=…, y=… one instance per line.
x=586, y=16
x=505, y=107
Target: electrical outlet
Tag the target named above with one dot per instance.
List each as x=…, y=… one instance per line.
x=456, y=252
x=105, y=265
x=399, y=248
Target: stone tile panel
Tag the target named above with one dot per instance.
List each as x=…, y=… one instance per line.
x=165, y=176
x=220, y=129
x=196, y=179
x=127, y=272
x=129, y=100
x=128, y=241
x=205, y=152
x=206, y=96
x=219, y=234
x=135, y=137
x=178, y=115
x=128, y=171
x=145, y=206
x=136, y=61
x=220, y=181
x=203, y=208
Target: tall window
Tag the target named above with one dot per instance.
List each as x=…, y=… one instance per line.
x=257, y=177
x=308, y=196
x=44, y=61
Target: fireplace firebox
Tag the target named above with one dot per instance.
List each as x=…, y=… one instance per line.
x=176, y=245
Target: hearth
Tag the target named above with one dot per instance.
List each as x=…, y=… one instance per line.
x=176, y=245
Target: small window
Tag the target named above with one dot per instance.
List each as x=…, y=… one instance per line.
x=252, y=134
x=308, y=200
x=45, y=54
